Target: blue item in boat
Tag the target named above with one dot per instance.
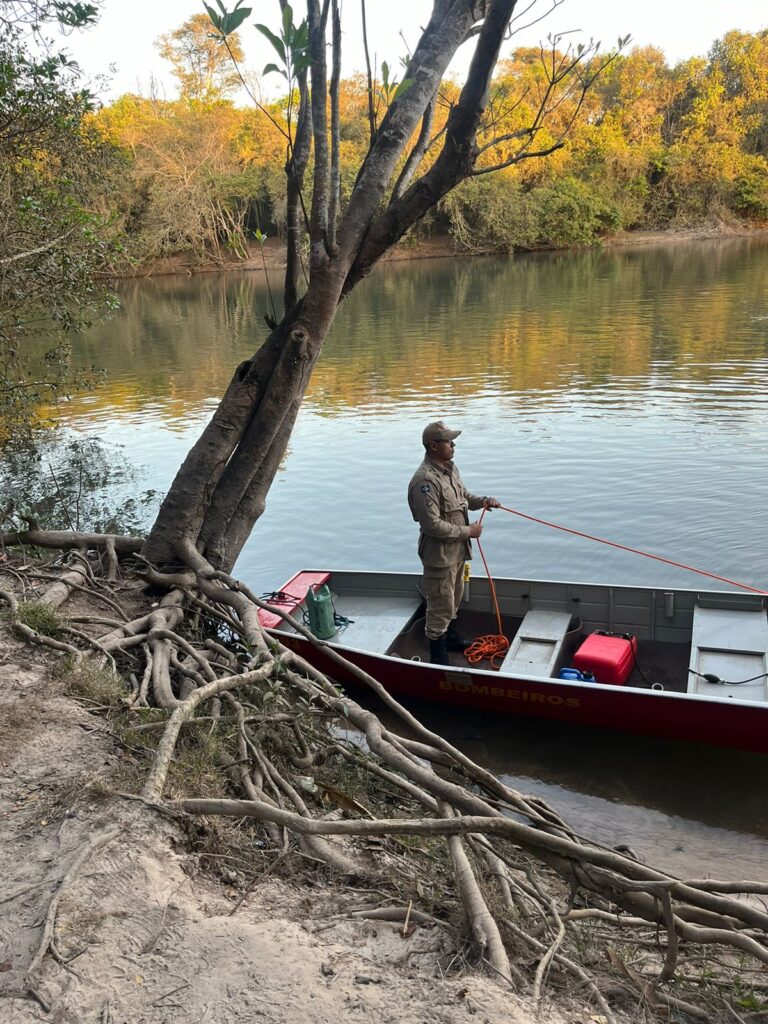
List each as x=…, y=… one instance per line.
x=575, y=676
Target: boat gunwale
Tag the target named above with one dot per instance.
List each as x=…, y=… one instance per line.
x=385, y=573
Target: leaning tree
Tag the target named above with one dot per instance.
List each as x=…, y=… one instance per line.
x=221, y=488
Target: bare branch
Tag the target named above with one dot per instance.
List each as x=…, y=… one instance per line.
x=45, y=247
x=417, y=153
x=335, y=197
x=318, y=234
x=516, y=159
x=456, y=159
x=369, y=75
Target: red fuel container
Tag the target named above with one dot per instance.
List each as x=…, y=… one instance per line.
x=610, y=659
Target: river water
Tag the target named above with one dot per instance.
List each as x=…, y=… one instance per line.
x=620, y=393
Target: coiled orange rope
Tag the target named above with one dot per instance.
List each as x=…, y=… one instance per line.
x=494, y=646
x=491, y=646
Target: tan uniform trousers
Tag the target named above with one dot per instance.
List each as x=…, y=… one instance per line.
x=443, y=593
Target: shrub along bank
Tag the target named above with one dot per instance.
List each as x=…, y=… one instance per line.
x=652, y=147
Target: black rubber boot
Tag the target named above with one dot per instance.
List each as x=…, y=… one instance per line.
x=438, y=652
x=453, y=641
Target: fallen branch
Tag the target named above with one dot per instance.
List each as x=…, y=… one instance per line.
x=570, y=966
x=523, y=835
x=656, y=999
x=481, y=921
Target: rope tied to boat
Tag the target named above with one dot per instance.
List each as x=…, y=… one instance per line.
x=634, y=551
x=495, y=645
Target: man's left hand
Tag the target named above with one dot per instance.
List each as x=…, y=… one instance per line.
x=492, y=503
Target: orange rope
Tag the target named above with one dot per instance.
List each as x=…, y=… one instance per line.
x=492, y=645
x=634, y=551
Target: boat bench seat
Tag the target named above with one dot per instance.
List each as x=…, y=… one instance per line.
x=537, y=646
x=731, y=644
x=290, y=597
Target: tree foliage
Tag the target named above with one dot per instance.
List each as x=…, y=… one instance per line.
x=201, y=60
x=67, y=14
x=650, y=146
x=189, y=189
x=56, y=175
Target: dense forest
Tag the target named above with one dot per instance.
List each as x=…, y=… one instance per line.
x=649, y=147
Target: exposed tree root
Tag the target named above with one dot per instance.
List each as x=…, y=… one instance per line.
x=483, y=925
x=64, y=540
x=47, y=937
x=409, y=809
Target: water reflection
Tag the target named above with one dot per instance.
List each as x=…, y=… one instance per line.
x=678, y=318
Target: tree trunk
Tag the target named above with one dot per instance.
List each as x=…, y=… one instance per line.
x=220, y=490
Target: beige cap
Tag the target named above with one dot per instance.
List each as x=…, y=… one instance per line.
x=438, y=432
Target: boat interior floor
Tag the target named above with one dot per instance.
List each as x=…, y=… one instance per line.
x=660, y=663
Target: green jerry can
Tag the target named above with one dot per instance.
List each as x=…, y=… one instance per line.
x=320, y=612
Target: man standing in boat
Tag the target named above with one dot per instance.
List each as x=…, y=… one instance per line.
x=440, y=504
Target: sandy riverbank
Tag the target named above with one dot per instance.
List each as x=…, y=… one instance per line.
x=141, y=928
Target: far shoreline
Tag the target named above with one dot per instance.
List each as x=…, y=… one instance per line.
x=272, y=258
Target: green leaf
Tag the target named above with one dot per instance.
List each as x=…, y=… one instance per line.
x=269, y=68
x=301, y=36
x=287, y=22
x=275, y=40
x=403, y=88
x=300, y=63
x=237, y=18
x=215, y=19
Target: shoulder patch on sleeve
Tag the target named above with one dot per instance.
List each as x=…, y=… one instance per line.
x=425, y=488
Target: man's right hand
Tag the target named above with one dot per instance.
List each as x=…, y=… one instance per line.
x=475, y=529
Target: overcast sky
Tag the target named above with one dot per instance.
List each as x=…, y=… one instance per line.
x=122, y=44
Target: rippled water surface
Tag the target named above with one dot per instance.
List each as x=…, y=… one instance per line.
x=621, y=393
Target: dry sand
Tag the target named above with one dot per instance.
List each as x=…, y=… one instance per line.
x=151, y=937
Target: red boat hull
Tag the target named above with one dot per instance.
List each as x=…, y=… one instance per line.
x=674, y=716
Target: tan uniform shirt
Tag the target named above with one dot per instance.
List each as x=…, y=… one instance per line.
x=439, y=503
